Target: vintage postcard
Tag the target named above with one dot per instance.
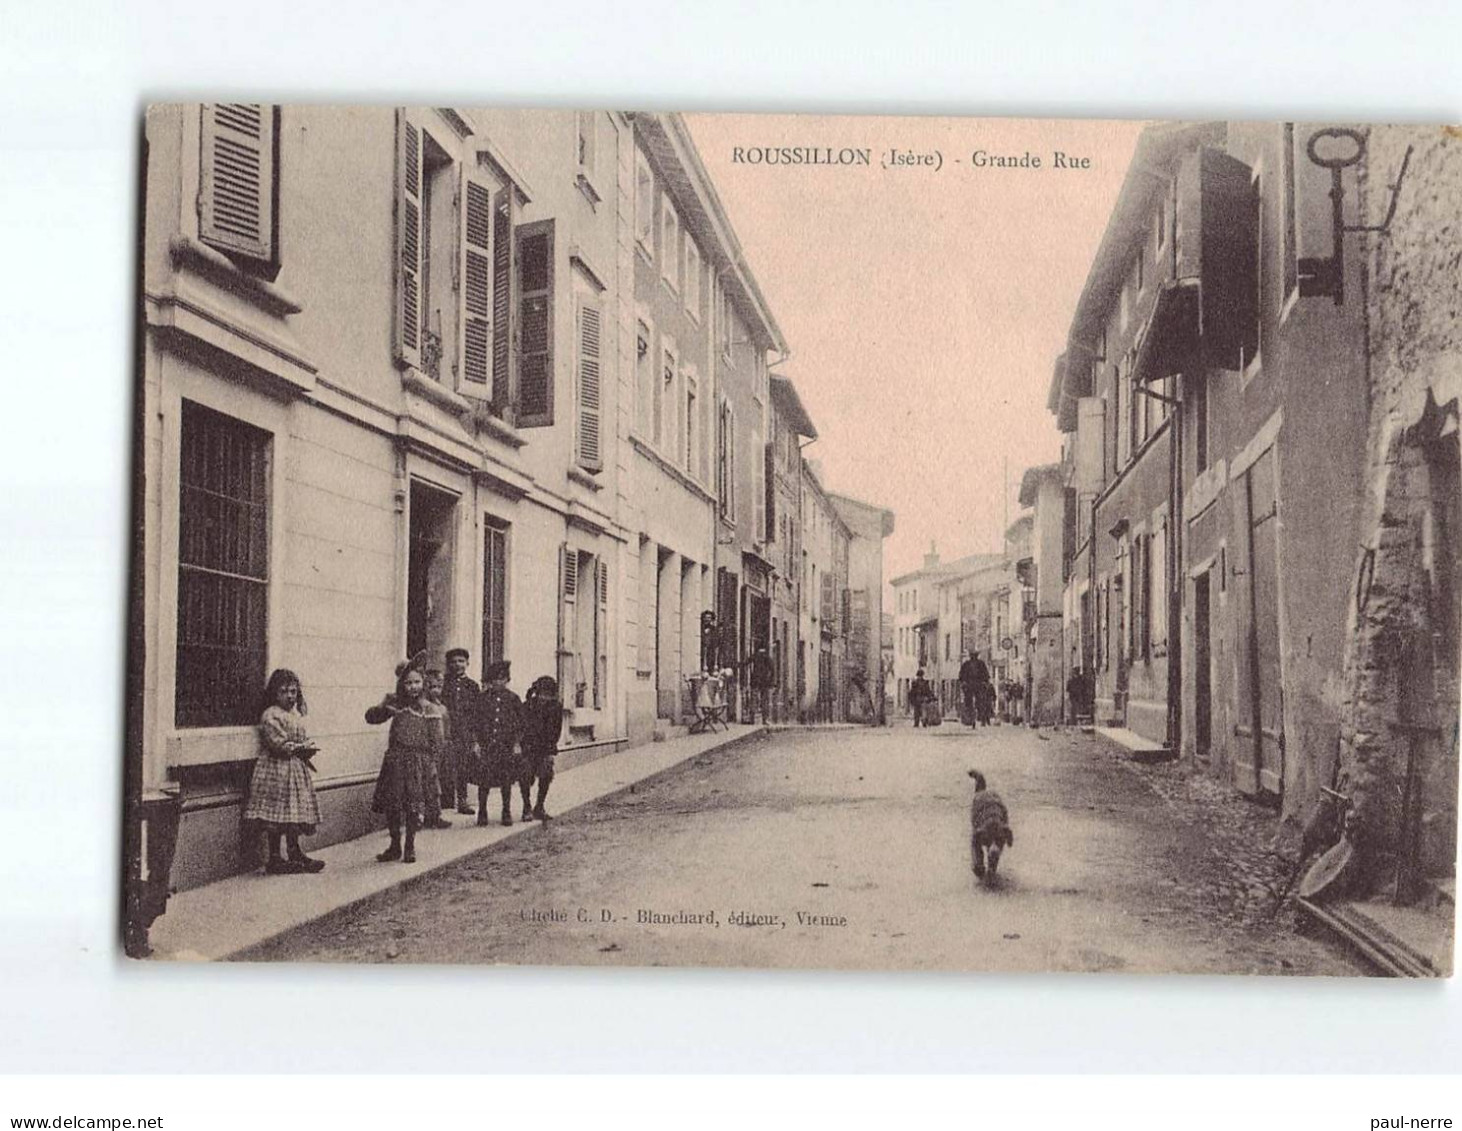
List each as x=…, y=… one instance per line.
x=626, y=538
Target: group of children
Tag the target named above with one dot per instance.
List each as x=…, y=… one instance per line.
x=446, y=734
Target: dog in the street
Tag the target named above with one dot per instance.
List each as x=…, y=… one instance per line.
x=990, y=831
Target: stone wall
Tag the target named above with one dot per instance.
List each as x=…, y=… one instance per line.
x=1399, y=739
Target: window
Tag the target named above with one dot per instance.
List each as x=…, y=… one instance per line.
x=583, y=623
x=726, y=462
x=469, y=284
x=1158, y=548
x=692, y=278
x=1125, y=308
x=665, y=396
x=1289, y=204
x=1253, y=333
x=1160, y=224
x=669, y=243
x=223, y=569
x=1199, y=397
x=644, y=204
x=760, y=494
x=535, y=324
x=1141, y=258
x=584, y=141
x=727, y=316
x=494, y=590
x=238, y=192
x=690, y=435
x=438, y=236
x=646, y=417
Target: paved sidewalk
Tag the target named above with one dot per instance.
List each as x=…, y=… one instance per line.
x=223, y=918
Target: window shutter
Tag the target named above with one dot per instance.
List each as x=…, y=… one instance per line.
x=601, y=635
x=477, y=277
x=408, y=241
x=568, y=574
x=590, y=327
x=769, y=474
x=1228, y=260
x=502, y=302
x=237, y=175
x=535, y=325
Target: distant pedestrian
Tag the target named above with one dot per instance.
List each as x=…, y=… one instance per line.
x=920, y=693
x=498, y=722
x=282, y=788
x=542, y=726
x=459, y=697
x=969, y=684
x=416, y=737
x=763, y=679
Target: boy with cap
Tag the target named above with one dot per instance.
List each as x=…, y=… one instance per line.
x=498, y=722
x=459, y=697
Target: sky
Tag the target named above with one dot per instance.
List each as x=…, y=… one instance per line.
x=924, y=307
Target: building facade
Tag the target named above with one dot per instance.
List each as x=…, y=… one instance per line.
x=1228, y=402
x=1042, y=490
x=868, y=526
x=331, y=501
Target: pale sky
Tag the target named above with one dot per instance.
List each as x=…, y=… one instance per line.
x=924, y=309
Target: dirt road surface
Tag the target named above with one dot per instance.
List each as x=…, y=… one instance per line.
x=843, y=849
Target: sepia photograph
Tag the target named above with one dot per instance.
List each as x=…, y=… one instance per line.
x=825, y=542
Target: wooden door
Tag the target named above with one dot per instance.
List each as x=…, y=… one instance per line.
x=1259, y=726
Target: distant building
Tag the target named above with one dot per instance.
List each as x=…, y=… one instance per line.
x=868, y=526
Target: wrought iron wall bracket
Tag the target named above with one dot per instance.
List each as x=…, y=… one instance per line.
x=1319, y=277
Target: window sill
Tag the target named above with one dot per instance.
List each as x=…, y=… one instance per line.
x=586, y=186
x=414, y=381
x=670, y=469
x=585, y=479
x=220, y=269
x=211, y=745
x=495, y=426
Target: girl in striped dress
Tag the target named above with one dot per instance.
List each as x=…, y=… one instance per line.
x=282, y=790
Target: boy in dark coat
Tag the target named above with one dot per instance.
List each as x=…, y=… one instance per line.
x=459, y=697
x=542, y=725
x=498, y=723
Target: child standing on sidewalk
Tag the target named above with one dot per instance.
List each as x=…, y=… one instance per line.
x=416, y=739
x=542, y=725
x=498, y=722
x=282, y=790
x=431, y=786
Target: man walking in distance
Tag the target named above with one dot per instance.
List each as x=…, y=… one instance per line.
x=920, y=693
x=763, y=679
x=969, y=684
x=459, y=696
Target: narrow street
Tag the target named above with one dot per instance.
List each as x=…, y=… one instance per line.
x=846, y=849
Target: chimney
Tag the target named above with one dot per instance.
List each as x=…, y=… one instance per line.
x=931, y=559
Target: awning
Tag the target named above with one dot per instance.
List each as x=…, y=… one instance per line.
x=1170, y=341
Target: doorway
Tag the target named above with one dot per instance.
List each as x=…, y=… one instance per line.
x=429, y=573
x=1259, y=726
x=1202, y=667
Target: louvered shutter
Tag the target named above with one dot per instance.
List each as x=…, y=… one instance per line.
x=502, y=303
x=237, y=170
x=590, y=336
x=535, y=325
x=568, y=591
x=477, y=276
x=601, y=635
x=408, y=241
x=769, y=476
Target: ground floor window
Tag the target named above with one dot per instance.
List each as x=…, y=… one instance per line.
x=494, y=590
x=223, y=569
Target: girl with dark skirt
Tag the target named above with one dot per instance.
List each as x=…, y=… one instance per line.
x=542, y=725
x=417, y=736
x=282, y=789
